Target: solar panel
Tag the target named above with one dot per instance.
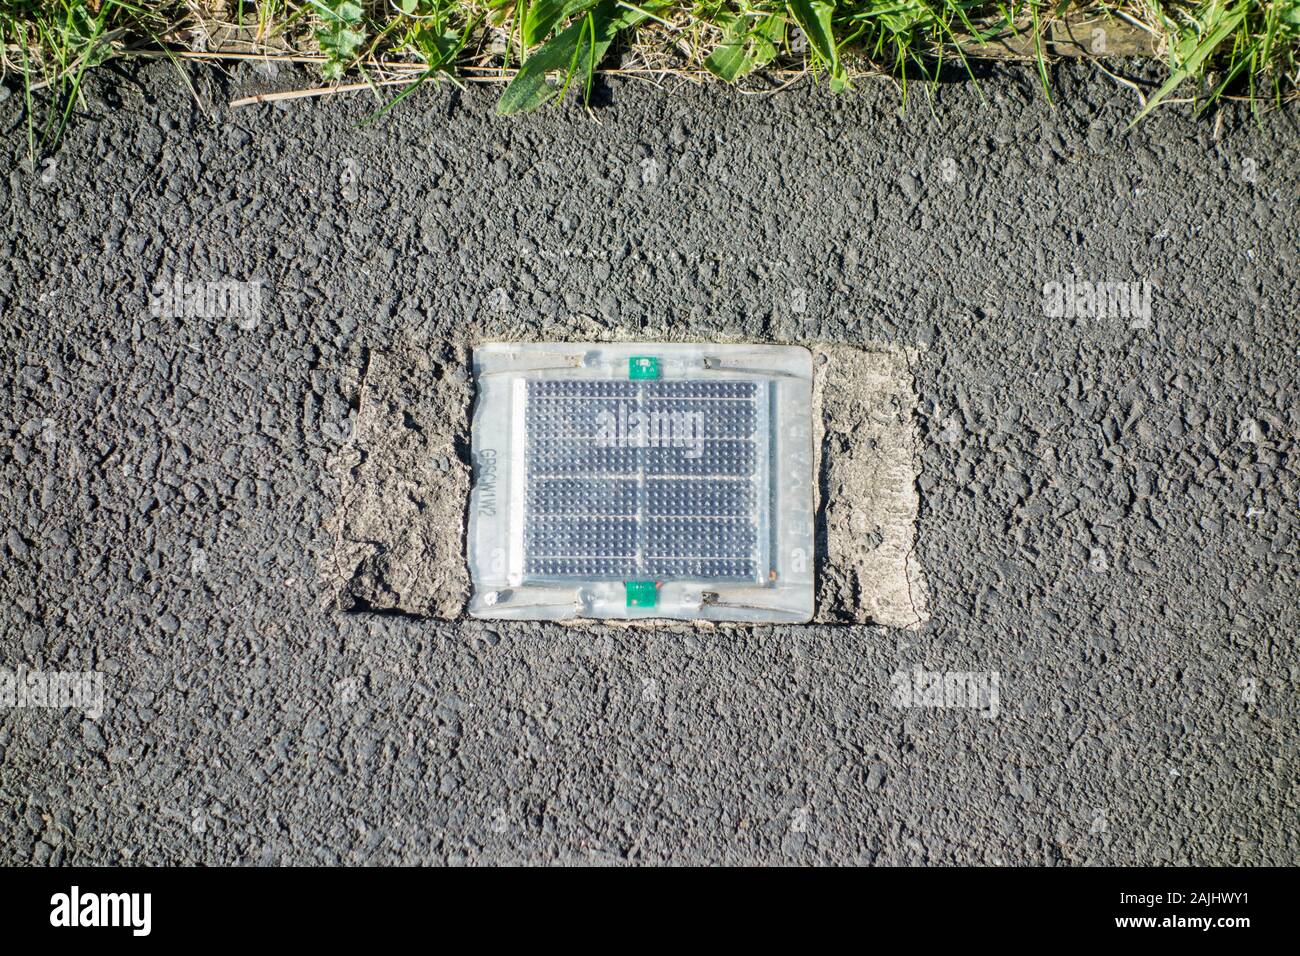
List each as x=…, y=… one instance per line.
x=643, y=479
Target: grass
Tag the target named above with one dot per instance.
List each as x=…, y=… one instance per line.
x=540, y=49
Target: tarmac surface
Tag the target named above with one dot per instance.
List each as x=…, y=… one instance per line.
x=1109, y=500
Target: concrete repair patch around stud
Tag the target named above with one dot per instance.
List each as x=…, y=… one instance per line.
x=400, y=533
x=867, y=497
x=399, y=538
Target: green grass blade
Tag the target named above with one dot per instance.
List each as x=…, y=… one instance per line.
x=587, y=40
x=814, y=18
x=543, y=16
x=1193, y=61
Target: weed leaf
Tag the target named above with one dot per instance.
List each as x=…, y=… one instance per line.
x=543, y=16
x=581, y=45
x=743, y=50
x=341, y=34
x=814, y=18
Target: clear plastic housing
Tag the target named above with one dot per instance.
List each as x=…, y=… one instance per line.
x=641, y=481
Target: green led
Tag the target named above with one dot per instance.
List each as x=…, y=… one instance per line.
x=643, y=366
x=642, y=593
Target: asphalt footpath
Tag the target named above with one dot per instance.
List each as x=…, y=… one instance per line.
x=1106, y=402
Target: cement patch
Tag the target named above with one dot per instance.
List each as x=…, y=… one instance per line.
x=867, y=501
x=399, y=530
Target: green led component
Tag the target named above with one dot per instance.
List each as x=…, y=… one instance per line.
x=643, y=366
x=642, y=593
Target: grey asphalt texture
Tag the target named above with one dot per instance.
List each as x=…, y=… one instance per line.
x=1108, y=514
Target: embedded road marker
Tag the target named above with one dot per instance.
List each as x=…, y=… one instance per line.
x=632, y=481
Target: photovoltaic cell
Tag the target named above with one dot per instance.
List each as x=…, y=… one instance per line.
x=632, y=480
